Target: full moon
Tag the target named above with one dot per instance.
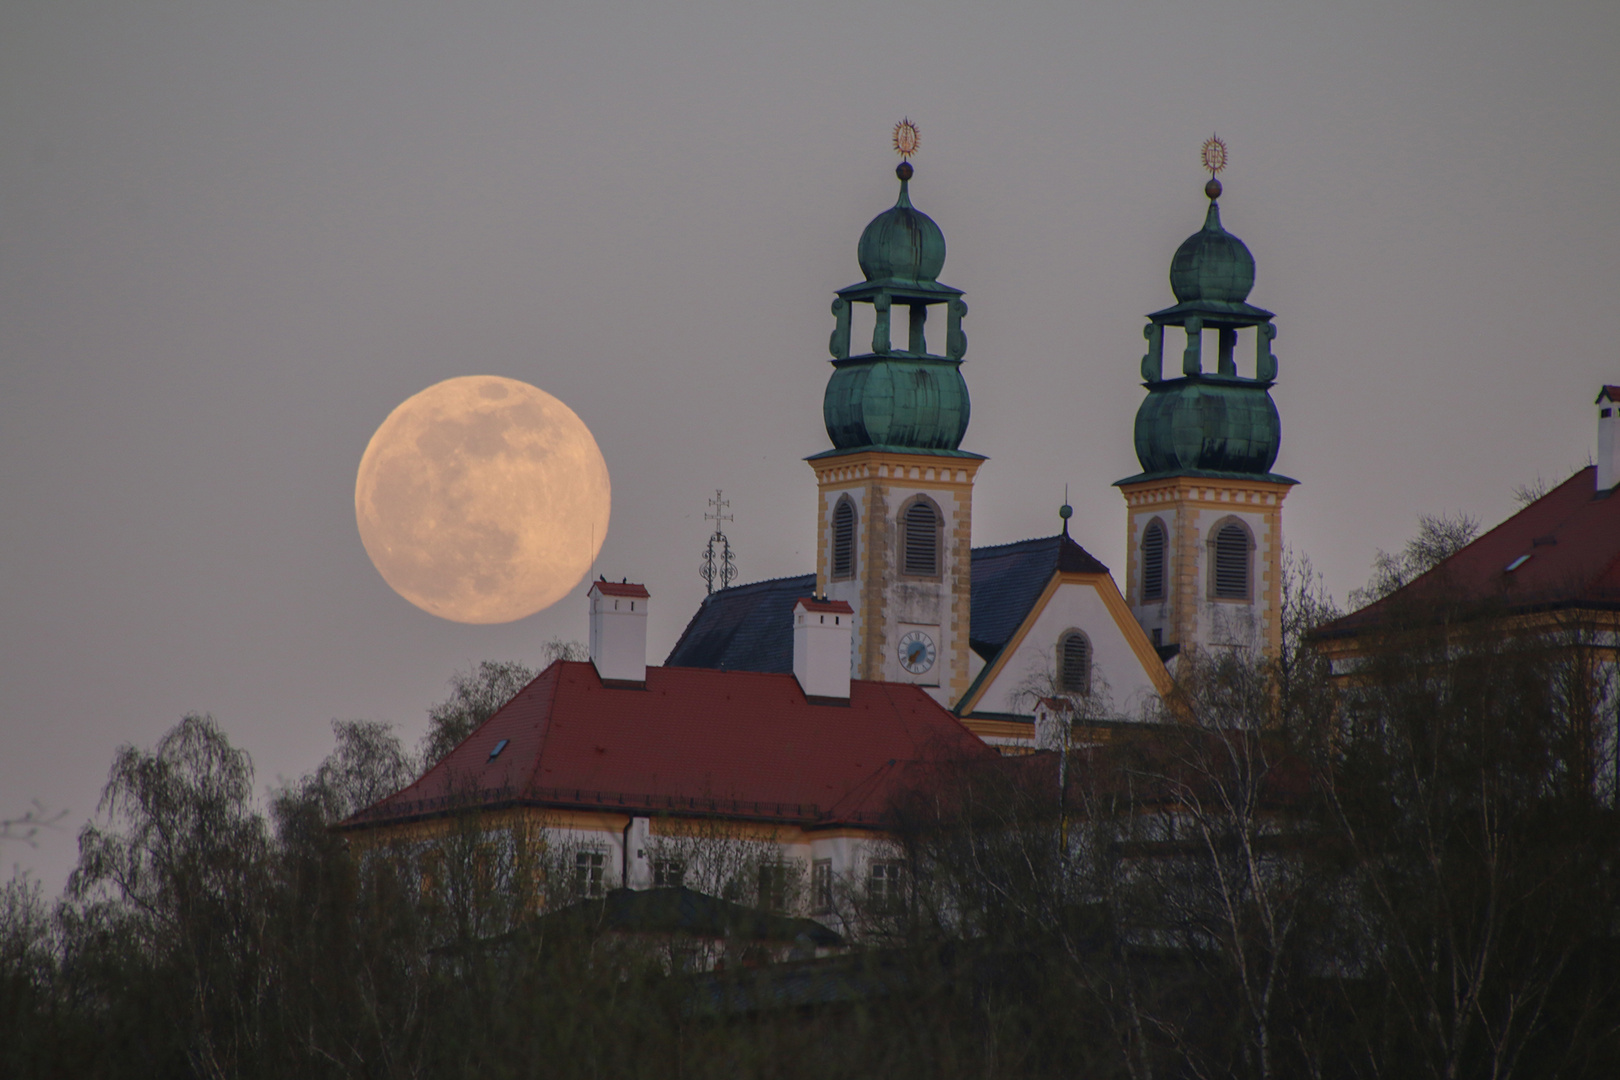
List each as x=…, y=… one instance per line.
x=482, y=499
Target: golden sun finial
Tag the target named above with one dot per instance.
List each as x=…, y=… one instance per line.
x=906, y=138
x=1214, y=155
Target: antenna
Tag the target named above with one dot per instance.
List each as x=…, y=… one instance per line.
x=718, y=563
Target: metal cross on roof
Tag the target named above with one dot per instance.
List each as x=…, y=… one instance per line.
x=718, y=563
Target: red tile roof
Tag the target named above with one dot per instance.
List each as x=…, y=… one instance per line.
x=1571, y=536
x=827, y=607
x=619, y=588
x=1610, y=392
x=733, y=744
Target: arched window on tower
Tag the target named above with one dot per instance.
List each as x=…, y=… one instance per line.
x=1231, y=549
x=843, y=539
x=1153, y=561
x=1074, y=663
x=920, y=528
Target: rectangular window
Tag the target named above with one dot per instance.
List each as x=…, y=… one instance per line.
x=668, y=873
x=432, y=875
x=885, y=885
x=773, y=878
x=821, y=887
x=589, y=871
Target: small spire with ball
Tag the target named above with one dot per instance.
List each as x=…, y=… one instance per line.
x=1214, y=154
x=906, y=140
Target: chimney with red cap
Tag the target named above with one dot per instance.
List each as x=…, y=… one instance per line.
x=619, y=630
x=821, y=646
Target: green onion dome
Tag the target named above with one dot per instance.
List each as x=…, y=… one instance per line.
x=1211, y=264
x=902, y=243
x=900, y=402
x=1207, y=426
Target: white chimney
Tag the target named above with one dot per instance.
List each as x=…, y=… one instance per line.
x=821, y=646
x=1608, y=455
x=619, y=630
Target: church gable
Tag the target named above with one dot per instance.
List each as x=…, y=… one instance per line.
x=1077, y=638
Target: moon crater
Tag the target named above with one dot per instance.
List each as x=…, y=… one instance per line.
x=482, y=499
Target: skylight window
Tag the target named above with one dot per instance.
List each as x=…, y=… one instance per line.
x=1516, y=563
x=495, y=753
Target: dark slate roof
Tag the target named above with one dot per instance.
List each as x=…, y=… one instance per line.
x=750, y=627
x=1009, y=578
x=744, y=628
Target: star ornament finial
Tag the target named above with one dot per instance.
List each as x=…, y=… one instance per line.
x=906, y=139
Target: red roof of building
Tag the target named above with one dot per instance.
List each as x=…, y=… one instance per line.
x=826, y=607
x=1564, y=549
x=1610, y=392
x=619, y=588
x=736, y=744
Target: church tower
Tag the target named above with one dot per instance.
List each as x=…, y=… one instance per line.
x=1204, y=517
x=895, y=506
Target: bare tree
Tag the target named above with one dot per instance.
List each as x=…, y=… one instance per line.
x=1439, y=537
x=180, y=860
x=1478, y=836
x=26, y=826
x=475, y=695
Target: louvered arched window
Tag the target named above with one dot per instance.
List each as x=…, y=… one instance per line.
x=843, y=539
x=1153, y=561
x=1232, y=562
x=920, y=528
x=1074, y=663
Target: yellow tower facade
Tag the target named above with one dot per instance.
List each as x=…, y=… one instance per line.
x=895, y=542
x=1203, y=563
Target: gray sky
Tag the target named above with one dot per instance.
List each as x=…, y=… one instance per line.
x=234, y=236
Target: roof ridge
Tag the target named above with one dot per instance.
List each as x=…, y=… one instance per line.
x=1492, y=531
x=1351, y=619
x=1015, y=543
x=533, y=772
x=761, y=581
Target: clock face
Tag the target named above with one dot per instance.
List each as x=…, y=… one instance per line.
x=916, y=652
